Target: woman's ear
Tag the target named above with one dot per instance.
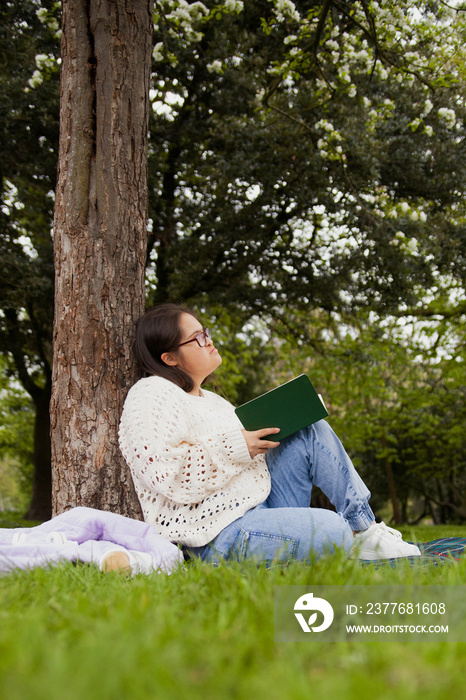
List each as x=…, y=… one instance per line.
x=169, y=359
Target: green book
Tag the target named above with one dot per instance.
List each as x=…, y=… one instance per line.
x=290, y=407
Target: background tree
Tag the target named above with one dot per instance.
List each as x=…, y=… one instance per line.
x=16, y=445
x=311, y=156
x=396, y=397
x=29, y=139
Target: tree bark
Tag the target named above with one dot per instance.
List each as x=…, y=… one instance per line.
x=100, y=239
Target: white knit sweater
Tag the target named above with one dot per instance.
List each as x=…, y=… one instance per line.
x=189, y=460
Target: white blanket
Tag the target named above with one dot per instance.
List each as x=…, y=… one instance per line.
x=86, y=535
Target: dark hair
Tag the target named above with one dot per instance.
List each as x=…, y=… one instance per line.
x=158, y=331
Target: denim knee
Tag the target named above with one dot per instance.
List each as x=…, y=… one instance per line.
x=285, y=534
x=264, y=546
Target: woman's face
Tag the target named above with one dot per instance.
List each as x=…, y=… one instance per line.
x=196, y=361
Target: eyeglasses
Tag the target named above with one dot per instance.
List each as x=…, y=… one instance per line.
x=200, y=338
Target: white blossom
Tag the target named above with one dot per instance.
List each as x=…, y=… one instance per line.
x=49, y=21
x=285, y=9
x=157, y=54
x=427, y=107
x=259, y=98
x=325, y=125
x=234, y=5
x=43, y=61
x=448, y=116
x=36, y=79
x=215, y=66
x=344, y=75
x=381, y=71
x=362, y=55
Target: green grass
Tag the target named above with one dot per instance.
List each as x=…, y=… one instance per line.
x=12, y=518
x=424, y=533
x=205, y=633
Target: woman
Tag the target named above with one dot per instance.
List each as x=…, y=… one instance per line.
x=221, y=491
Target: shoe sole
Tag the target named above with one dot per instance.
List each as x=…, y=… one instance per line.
x=370, y=555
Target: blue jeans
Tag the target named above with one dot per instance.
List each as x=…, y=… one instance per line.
x=284, y=527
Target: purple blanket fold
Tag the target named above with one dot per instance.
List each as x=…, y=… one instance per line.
x=87, y=535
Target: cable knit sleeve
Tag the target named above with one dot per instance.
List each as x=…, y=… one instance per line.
x=180, y=446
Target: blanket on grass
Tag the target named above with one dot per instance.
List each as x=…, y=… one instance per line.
x=438, y=552
x=85, y=535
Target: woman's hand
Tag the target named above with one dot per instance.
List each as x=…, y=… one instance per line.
x=256, y=446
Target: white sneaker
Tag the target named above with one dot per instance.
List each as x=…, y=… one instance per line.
x=127, y=561
x=382, y=542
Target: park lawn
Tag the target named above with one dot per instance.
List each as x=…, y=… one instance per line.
x=206, y=633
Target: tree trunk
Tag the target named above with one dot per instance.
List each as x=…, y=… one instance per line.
x=100, y=245
x=40, y=507
x=397, y=515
